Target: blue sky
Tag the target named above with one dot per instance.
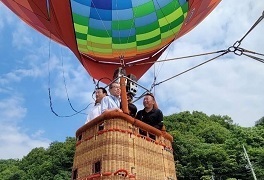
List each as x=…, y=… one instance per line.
x=231, y=85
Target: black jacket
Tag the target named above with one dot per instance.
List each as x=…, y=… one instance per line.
x=153, y=118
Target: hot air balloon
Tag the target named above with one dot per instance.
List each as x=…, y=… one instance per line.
x=105, y=35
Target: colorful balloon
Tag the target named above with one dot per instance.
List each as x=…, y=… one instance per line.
x=102, y=32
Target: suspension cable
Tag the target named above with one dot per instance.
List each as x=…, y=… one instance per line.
x=65, y=87
x=236, y=49
x=252, y=52
x=52, y=110
x=241, y=51
x=178, y=58
x=192, y=68
x=254, y=57
x=254, y=25
x=49, y=90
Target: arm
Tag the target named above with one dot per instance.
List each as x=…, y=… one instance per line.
x=160, y=119
x=104, y=104
x=156, y=119
x=160, y=116
x=108, y=105
x=88, y=118
x=139, y=115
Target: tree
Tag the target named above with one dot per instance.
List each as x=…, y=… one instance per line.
x=55, y=162
x=206, y=146
x=260, y=122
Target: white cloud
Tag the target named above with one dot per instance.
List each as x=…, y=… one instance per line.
x=14, y=142
x=21, y=73
x=11, y=109
x=45, y=60
x=21, y=36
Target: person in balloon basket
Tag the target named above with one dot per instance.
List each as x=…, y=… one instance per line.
x=132, y=108
x=95, y=111
x=112, y=102
x=150, y=114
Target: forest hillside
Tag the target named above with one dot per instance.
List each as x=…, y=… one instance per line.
x=205, y=147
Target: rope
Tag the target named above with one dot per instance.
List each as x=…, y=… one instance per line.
x=255, y=58
x=49, y=90
x=235, y=49
x=254, y=25
x=52, y=110
x=173, y=59
x=178, y=58
x=192, y=68
x=65, y=87
x=248, y=51
x=241, y=51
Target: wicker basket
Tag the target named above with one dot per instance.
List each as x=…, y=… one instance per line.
x=115, y=146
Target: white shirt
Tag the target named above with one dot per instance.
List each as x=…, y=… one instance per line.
x=110, y=102
x=94, y=112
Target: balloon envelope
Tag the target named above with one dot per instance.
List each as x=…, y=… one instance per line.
x=102, y=32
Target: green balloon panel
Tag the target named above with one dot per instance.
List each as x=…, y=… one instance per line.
x=111, y=28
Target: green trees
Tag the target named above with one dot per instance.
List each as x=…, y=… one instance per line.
x=9, y=170
x=260, y=122
x=54, y=162
x=211, y=146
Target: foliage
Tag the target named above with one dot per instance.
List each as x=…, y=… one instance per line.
x=260, y=122
x=54, y=162
x=204, y=147
x=211, y=146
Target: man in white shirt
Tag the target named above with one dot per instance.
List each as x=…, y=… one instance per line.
x=100, y=93
x=112, y=102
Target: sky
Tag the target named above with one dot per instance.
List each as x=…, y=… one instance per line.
x=31, y=64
